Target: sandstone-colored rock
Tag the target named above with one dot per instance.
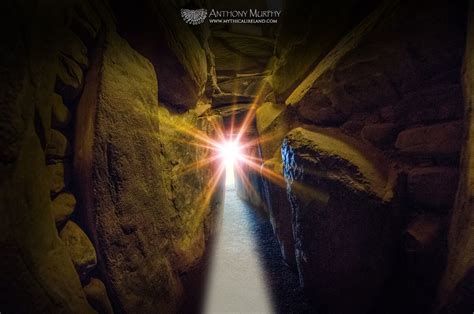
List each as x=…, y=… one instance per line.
x=366, y=172
x=63, y=207
x=437, y=139
x=97, y=296
x=45, y=271
x=80, y=248
x=266, y=115
x=37, y=273
x=70, y=79
x=57, y=146
x=57, y=177
x=379, y=134
x=61, y=114
x=125, y=132
x=434, y=187
x=149, y=217
x=202, y=108
x=340, y=192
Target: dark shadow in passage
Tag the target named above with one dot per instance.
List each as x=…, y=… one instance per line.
x=287, y=295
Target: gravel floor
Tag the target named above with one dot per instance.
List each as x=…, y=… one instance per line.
x=247, y=273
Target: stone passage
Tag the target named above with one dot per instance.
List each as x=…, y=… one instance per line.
x=247, y=274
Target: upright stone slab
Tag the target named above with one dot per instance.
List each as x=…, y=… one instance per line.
x=456, y=289
x=343, y=224
x=118, y=168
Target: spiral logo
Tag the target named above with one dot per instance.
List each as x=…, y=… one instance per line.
x=194, y=17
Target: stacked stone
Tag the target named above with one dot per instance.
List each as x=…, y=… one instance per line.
x=377, y=92
x=72, y=66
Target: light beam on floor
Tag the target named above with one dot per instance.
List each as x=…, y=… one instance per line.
x=236, y=279
x=229, y=175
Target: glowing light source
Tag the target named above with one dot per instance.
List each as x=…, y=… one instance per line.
x=233, y=149
x=230, y=152
x=237, y=282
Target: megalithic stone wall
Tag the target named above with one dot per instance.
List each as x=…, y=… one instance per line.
x=456, y=293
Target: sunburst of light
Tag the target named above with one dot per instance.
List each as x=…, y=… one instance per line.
x=229, y=150
x=232, y=150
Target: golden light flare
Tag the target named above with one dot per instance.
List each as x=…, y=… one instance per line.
x=230, y=150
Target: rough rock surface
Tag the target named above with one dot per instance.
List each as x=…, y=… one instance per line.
x=124, y=212
x=155, y=30
x=280, y=210
x=238, y=53
x=63, y=207
x=80, y=248
x=456, y=289
x=57, y=146
x=140, y=196
x=58, y=177
x=230, y=99
x=61, y=114
x=250, y=187
x=273, y=122
x=37, y=273
x=70, y=79
x=304, y=39
x=75, y=49
x=383, y=63
x=444, y=138
x=97, y=296
x=343, y=225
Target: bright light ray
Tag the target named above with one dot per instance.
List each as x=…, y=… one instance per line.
x=237, y=281
x=229, y=151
